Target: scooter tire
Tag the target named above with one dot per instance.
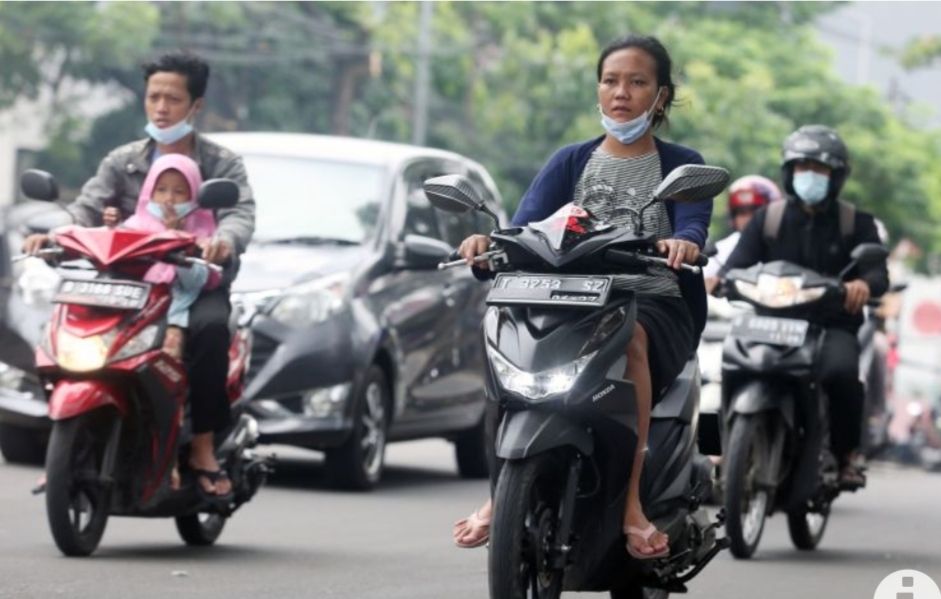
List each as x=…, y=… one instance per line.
x=517, y=493
x=640, y=593
x=200, y=530
x=804, y=535
x=75, y=443
x=744, y=446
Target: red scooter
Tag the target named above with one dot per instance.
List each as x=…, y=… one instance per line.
x=117, y=401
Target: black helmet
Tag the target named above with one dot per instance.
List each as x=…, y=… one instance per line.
x=819, y=144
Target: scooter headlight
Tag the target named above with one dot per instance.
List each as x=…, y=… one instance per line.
x=138, y=344
x=81, y=354
x=779, y=292
x=537, y=385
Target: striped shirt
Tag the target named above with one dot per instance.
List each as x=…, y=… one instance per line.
x=610, y=183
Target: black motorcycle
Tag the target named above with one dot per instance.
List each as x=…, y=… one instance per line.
x=555, y=333
x=776, y=446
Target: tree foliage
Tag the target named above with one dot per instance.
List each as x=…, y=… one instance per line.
x=510, y=82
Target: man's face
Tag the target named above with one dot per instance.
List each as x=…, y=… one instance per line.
x=167, y=100
x=741, y=217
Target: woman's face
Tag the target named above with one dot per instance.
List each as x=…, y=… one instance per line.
x=171, y=188
x=628, y=84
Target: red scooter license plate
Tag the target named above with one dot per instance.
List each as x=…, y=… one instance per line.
x=122, y=295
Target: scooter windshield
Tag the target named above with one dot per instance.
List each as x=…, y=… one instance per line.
x=568, y=226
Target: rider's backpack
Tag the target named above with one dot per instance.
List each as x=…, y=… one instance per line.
x=775, y=214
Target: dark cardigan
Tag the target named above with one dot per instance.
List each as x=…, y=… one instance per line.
x=554, y=187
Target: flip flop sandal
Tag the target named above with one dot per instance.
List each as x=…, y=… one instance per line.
x=474, y=521
x=213, y=476
x=645, y=534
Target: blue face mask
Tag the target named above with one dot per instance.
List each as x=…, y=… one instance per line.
x=156, y=210
x=811, y=187
x=632, y=130
x=169, y=135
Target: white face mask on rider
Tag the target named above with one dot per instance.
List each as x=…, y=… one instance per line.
x=632, y=130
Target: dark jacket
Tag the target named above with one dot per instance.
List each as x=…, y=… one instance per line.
x=554, y=187
x=812, y=240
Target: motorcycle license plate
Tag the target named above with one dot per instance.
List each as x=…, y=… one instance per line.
x=123, y=295
x=550, y=290
x=768, y=329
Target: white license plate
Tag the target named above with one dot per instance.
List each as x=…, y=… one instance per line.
x=768, y=329
x=123, y=295
x=550, y=290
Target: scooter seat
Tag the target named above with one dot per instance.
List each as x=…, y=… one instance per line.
x=680, y=399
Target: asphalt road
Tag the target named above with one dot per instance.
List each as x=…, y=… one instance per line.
x=300, y=539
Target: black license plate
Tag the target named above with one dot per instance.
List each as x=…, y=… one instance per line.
x=768, y=329
x=550, y=290
x=123, y=295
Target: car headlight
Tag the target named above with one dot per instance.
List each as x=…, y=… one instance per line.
x=537, y=385
x=81, y=354
x=37, y=282
x=310, y=303
x=779, y=292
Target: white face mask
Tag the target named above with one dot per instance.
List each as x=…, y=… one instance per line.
x=811, y=187
x=632, y=130
x=173, y=133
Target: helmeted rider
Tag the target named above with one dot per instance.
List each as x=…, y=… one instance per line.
x=746, y=195
x=808, y=231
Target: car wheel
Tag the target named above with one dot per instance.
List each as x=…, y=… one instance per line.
x=22, y=445
x=470, y=449
x=357, y=463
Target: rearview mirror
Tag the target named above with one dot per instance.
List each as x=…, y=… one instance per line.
x=218, y=193
x=869, y=253
x=39, y=185
x=452, y=193
x=692, y=182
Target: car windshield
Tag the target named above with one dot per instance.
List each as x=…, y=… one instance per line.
x=307, y=200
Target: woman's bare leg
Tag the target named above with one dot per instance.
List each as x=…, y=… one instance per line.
x=638, y=371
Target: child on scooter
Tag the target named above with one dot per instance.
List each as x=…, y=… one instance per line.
x=168, y=201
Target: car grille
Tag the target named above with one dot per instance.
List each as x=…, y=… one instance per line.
x=262, y=349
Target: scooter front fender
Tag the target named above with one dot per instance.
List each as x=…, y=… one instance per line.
x=526, y=433
x=72, y=398
x=761, y=396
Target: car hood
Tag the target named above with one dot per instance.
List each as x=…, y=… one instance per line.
x=268, y=266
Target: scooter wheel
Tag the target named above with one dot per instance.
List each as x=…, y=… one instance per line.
x=526, y=506
x=200, y=530
x=77, y=503
x=746, y=504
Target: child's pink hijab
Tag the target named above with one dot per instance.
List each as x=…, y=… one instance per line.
x=199, y=222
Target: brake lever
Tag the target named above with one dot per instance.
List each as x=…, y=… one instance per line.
x=43, y=253
x=461, y=262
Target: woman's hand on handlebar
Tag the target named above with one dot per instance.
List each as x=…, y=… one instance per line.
x=678, y=251
x=35, y=242
x=472, y=247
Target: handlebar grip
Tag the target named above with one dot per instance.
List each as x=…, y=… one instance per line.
x=702, y=260
x=453, y=256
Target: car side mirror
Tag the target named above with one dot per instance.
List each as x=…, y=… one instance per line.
x=39, y=185
x=692, y=182
x=424, y=253
x=218, y=193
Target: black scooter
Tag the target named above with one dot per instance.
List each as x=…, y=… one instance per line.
x=776, y=446
x=555, y=334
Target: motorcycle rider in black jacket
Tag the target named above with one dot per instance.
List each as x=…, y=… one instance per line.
x=818, y=231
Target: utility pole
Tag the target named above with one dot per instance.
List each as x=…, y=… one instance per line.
x=422, y=75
